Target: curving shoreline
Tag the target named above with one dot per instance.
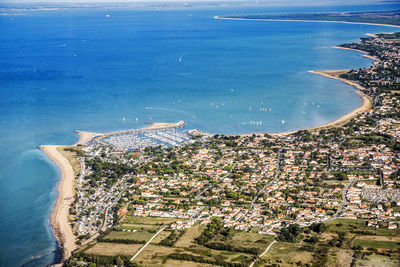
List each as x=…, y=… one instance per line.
x=331, y=74
x=65, y=189
x=59, y=221
x=59, y=214
x=83, y=136
x=366, y=55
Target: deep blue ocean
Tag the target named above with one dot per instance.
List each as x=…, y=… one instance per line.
x=80, y=69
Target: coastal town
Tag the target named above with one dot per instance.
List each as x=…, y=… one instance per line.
x=190, y=195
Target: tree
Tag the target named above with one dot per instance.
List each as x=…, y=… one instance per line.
x=341, y=176
x=290, y=233
x=318, y=227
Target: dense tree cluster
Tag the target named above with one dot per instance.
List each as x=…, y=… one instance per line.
x=290, y=234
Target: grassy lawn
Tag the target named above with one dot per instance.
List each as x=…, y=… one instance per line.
x=130, y=219
x=112, y=249
x=376, y=244
x=130, y=235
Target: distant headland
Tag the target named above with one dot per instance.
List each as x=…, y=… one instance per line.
x=383, y=18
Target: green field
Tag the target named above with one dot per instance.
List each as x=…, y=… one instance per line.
x=140, y=236
x=112, y=249
x=286, y=254
x=244, y=239
x=354, y=226
x=130, y=219
x=140, y=227
x=238, y=247
x=376, y=244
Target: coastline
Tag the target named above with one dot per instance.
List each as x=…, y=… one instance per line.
x=306, y=20
x=65, y=196
x=164, y=125
x=366, y=55
x=331, y=74
x=65, y=187
x=83, y=136
x=59, y=215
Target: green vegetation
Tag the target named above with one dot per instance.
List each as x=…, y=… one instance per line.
x=139, y=237
x=172, y=238
x=189, y=257
x=122, y=241
x=263, y=183
x=358, y=227
x=130, y=219
x=216, y=236
x=100, y=259
x=376, y=244
x=384, y=17
x=292, y=233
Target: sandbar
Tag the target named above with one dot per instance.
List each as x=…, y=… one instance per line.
x=163, y=125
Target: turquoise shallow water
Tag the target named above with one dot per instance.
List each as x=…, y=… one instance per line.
x=69, y=70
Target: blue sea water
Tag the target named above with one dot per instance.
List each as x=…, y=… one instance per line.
x=79, y=69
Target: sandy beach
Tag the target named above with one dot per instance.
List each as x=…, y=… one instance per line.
x=59, y=215
x=357, y=50
x=83, y=136
x=65, y=188
x=331, y=74
x=164, y=125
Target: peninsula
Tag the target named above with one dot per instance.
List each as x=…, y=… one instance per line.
x=383, y=18
x=166, y=196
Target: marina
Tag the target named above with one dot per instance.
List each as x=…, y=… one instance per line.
x=165, y=138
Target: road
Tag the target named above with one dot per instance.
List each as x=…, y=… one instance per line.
x=262, y=254
x=148, y=242
x=344, y=200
